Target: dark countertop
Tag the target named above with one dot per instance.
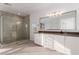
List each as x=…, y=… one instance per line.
x=60, y=32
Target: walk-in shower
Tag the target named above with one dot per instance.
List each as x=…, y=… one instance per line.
x=12, y=28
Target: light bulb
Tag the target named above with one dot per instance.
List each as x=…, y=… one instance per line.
x=58, y=13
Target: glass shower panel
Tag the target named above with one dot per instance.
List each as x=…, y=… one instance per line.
x=0, y=29
x=12, y=28
x=9, y=29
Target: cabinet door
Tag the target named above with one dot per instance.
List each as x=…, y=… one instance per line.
x=59, y=43
x=48, y=41
x=72, y=43
x=38, y=39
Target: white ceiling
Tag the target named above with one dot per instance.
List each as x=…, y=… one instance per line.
x=24, y=9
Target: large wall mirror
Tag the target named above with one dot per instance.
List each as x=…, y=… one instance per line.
x=67, y=21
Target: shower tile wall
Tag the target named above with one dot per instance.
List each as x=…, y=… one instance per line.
x=13, y=28
x=9, y=28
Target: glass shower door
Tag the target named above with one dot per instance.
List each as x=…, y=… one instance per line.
x=9, y=29
x=12, y=28
x=0, y=29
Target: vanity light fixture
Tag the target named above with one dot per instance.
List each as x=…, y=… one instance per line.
x=55, y=13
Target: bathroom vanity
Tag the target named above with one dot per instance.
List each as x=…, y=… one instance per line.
x=59, y=33
x=64, y=42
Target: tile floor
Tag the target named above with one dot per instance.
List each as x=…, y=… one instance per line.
x=25, y=47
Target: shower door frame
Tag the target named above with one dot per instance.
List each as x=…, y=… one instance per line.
x=1, y=32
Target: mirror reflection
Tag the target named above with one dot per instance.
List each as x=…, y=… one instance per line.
x=64, y=21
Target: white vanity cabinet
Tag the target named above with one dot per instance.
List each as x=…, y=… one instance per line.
x=72, y=44
x=51, y=41
x=59, y=43
x=38, y=39
x=45, y=40
x=48, y=41
x=63, y=43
